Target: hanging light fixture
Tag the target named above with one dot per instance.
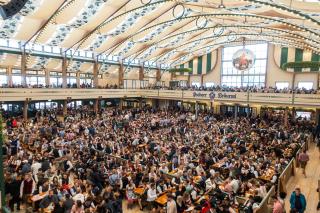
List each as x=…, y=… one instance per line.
x=221, y=5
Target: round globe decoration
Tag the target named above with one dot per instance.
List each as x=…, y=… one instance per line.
x=243, y=59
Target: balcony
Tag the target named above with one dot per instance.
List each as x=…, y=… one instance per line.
x=21, y=94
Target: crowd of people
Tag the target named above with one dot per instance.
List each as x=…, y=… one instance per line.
x=154, y=159
x=217, y=88
x=253, y=89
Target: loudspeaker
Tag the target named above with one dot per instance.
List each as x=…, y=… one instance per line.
x=12, y=8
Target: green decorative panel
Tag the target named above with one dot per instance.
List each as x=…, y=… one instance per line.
x=199, y=71
x=298, y=57
x=208, y=66
x=284, y=56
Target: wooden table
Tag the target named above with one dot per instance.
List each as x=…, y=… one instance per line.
x=38, y=197
x=162, y=200
x=267, y=176
x=139, y=191
x=197, y=179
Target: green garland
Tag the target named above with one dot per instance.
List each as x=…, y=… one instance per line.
x=1, y=165
x=313, y=65
x=189, y=70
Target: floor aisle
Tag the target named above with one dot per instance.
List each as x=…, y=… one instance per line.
x=309, y=184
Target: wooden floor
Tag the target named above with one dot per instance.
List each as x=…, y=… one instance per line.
x=309, y=184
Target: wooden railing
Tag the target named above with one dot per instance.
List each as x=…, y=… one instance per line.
x=265, y=206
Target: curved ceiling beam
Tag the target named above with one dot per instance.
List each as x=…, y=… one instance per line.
x=60, y=8
x=104, y=23
x=302, y=28
x=226, y=26
x=237, y=42
x=84, y=38
x=115, y=46
x=40, y=32
x=240, y=35
x=281, y=7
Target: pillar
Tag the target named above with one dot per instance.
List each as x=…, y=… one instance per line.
x=2, y=188
x=25, y=109
x=197, y=109
x=64, y=73
x=96, y=105
x=293, y=80
x=201, y=80
x=121, y=75
x=189, y=79
x=141, y=73
x=78, y=79
x=318, y=117
x=24, y=69
x=158, y=75
x=236, y=111
x=318, y=83
x=95, y=74
x=9, y=78
x=47, y=77
x=140, y=103
x=65, y=107
x=286, y=117
x=173, y=76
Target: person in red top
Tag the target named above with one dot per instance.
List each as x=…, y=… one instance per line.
x=303, y=160
x=14, y=123
x=278, y=206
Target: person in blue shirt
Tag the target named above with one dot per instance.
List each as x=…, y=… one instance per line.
x=298, y=201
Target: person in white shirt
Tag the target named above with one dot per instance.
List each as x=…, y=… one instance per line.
x=171, y=204
x=235, y=184
x=35, y=167
x=210, y=184
x=152, y=196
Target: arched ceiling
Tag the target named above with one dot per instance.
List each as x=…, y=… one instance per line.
x=162, y=31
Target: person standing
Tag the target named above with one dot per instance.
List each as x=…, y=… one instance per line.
x=278, y=206
x=171, y=204
x=303, y=159
x=298, y=201
x=27, y=187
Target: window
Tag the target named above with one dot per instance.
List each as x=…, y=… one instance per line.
x=16, y=71
x=3, y=80
x=253, y=77
x=56, y=81
x=195, y=84
x=305, y=85
x=282, y=85
x=72, y=81
x=209, y=84
x=35, y=80
x=32, y=80
x=303, y=114
x=16, y=80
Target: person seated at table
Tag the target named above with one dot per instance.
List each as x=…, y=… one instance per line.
x=171, y=204
x=50, y=199
x=210, y=184
x=44, y=187
x=217, y=179
x=161, y=187
x=131, y=197
x=77, y=207
x=152, y=196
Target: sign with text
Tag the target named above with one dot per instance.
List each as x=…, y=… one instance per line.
x=213, y=95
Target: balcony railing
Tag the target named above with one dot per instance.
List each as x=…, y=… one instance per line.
x=21, y=94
